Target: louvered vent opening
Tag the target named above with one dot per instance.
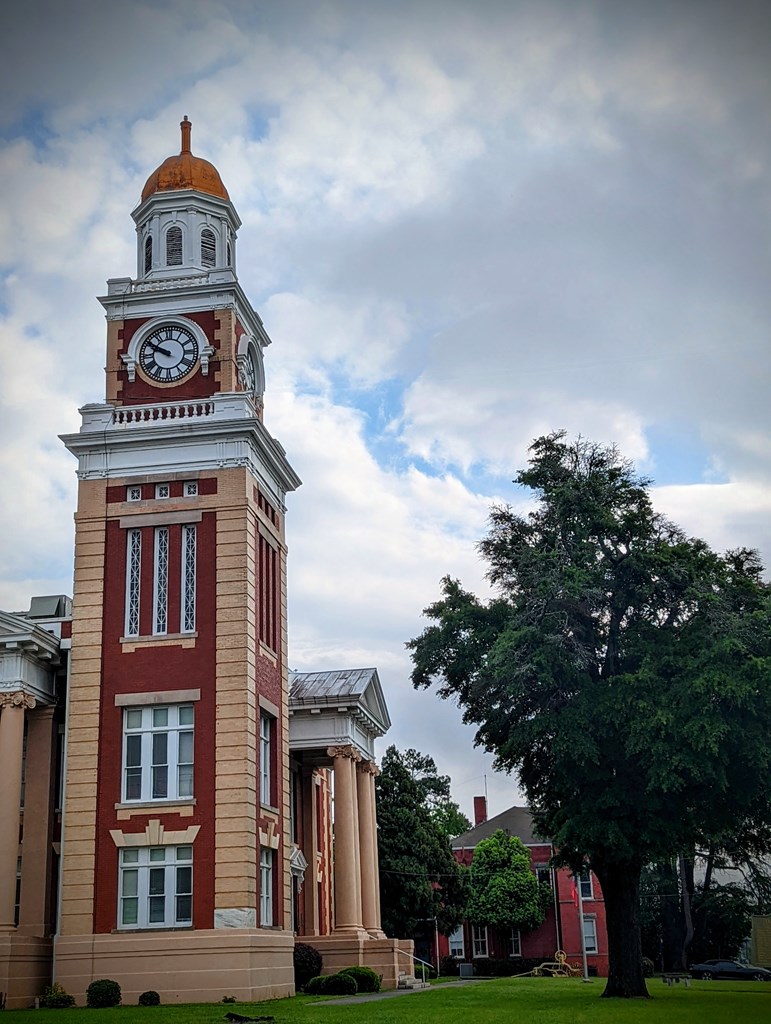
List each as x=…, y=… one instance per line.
x=174, y=247
x=230, y=256
x=208, y=248
x=148, y=254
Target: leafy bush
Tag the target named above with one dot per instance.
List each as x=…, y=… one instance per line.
x=102, y=993
x=56, y=998
x=423, y=972
x=149, y=998
x=340, y=985
x=307, y=964
x=366, y=979
x=448, y=966
x=315, y=986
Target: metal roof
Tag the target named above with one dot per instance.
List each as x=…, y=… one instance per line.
x=350, y=682
x=516, y=821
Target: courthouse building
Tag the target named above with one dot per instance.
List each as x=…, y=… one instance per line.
x=174, y=830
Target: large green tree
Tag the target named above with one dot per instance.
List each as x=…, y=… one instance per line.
x=622, y=669
x=504, y=891
x=419, y=876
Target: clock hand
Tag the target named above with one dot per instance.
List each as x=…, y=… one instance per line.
x=159, y=348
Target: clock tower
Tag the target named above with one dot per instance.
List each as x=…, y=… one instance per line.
x=175, y=863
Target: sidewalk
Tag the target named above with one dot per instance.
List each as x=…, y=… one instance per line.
x=369, y=997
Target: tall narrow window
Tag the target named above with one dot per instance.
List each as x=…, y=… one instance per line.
x=586, y=884
x=230, y=256
x=590, y=935
x=266, y=887
x=266, y=755
x=208, y=248
x=161, y=584
x=158, y=753
x=148, y=254
x=188, y=578
x=156, y=887
x=133, y=578
x=479, y=939
x=174, y=247
x=456, y=943
x=268, y=590
x=515, y=943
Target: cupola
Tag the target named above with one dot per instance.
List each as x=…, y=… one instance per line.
x=186, y=223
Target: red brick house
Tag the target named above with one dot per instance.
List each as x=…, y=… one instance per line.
x=561, y=928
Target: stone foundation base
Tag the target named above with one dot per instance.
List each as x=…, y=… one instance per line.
x=25, y=968
x=182, y=967
x=388, y=957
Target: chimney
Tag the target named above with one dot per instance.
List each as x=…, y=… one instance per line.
x=480, y=809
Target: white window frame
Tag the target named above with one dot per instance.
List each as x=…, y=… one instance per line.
x=585, y=881
x=161, y=581
x=187, y=609
x=590, y=933
x=456, y=943
x=479, y=941
x=133, y=494
x=133, y=582
x=142, y=771
x=190, y=488
x=267, y=861
x=155, y=887
x=162, y=491
x=515, y=943
x=266, y=757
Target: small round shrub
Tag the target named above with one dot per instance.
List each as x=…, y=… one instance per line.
x=448, y=965
x=307, y=964
x=366, y=979
x=55, y=997
x=102, y=993
x=315, y=986
x=340, y=985
x=149, y=998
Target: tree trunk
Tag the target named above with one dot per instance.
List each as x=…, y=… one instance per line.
x=687, y=892
x=621, y=891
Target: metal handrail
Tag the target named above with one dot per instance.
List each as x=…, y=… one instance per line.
x=412, y=956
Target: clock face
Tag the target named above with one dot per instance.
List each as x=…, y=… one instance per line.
x=249, y=374
x=168, y=354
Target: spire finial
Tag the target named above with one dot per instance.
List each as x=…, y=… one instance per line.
x=185, y=125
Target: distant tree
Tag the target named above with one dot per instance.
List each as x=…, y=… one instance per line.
x=449, y=819
x=505, y=892
x=419, y=876
x=622, y=669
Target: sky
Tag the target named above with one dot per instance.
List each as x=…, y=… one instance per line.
x=464, y=224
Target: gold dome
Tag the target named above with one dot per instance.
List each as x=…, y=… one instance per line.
x=185, y=171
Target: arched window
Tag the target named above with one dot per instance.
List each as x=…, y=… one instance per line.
x=230, y=256
x=208, y=248
x=148, y=254
x=174, y=247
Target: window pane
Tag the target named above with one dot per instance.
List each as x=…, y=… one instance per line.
x=158, y=854
x=133, y=719
x=160, y=718
x=186, y=714
x=157, y=913
x=184, y=853
x=185, y=748
x=184, y=909
x=160, y=782
x=133, y=784
x=157, y=881
x=130, y=882
x=129, y=856
x=160, y=748
x=133, y=751
x=184, y=880
x=185, y=781
x=129, y=911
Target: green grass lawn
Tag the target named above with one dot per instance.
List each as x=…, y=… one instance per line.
x=526, y=1000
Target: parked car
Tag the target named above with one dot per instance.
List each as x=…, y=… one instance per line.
x=729, y=969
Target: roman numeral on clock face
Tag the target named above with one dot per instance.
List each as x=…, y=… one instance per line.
x=168, y=354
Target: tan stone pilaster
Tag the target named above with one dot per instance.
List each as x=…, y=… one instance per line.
x=376, y=857
x=347, y=891
x=34, y=909
x=310, y=848
x=11, y=749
